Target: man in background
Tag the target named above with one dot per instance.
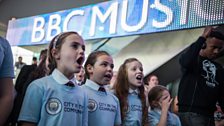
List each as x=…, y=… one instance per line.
x=20, y=63
x=80, y=77
x=24, y=73
x=34, y=60
x=152, y=81
x=201, y=85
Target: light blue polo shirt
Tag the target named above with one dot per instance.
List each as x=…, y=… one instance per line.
x=6, y=59
x=155, y=114
x=104, y=107
x=49, y=102
x=134, y=113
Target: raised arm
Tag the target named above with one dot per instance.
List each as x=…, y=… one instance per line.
x=165, y=108
x=189, y=57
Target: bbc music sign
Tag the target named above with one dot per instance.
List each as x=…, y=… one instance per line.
x=117, y=18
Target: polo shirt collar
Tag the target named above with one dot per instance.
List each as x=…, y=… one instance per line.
x=93, y=85
x=136, y=91
x=60, y=78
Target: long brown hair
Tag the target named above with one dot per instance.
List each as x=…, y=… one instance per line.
x=121, y=88
x=56, y=43
x=41, y=69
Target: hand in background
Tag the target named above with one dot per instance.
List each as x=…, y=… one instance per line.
x=207, y=31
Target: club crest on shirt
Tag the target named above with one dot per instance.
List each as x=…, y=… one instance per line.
x=53, y=106
x=92, y=105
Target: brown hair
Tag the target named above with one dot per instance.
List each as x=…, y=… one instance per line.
x=91, y=60
x=43, y=54
x=155, y=94
x=121, y=88
x=40, y=71
x=56, y=43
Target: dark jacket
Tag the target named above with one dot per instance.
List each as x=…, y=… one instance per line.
x=23, y=76
x=21, y=86
x=201, y=85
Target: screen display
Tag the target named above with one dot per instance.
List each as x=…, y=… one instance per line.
x=117, y=18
